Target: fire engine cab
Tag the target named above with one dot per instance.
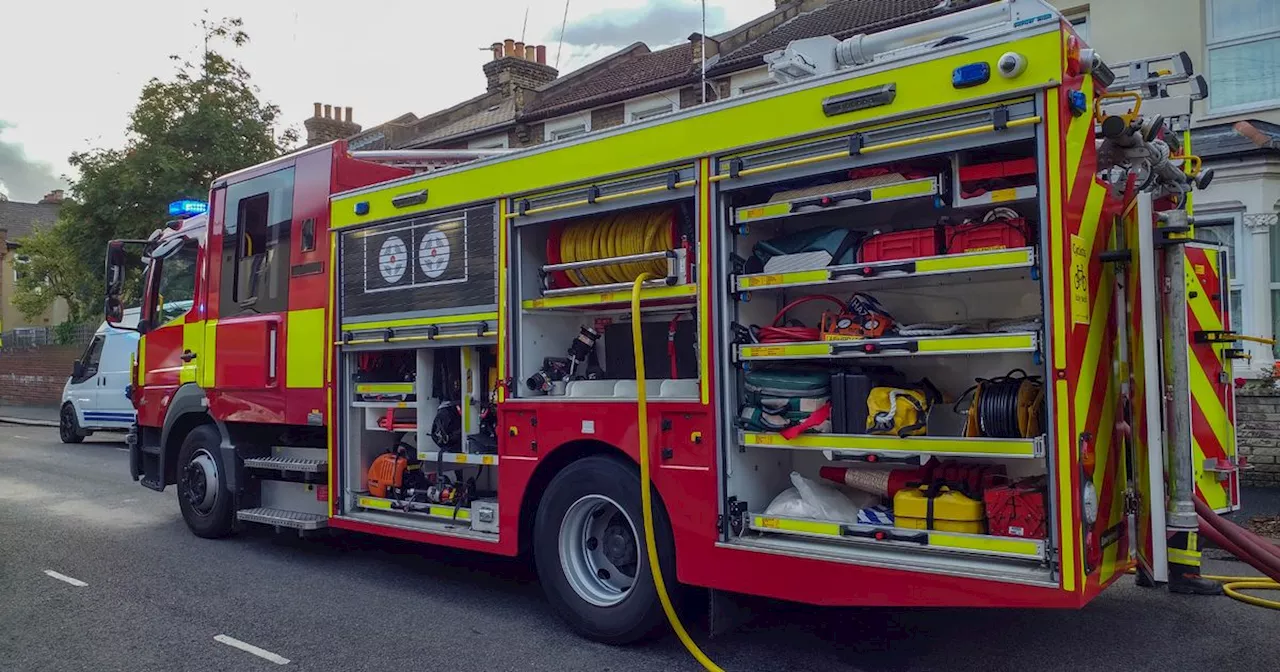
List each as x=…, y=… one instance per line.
x=894, y=331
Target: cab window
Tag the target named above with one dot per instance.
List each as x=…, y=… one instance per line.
x=175, y=284
x=89, y=360
x=255, y=247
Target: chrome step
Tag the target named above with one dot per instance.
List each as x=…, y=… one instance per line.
x=282, y=518
x=287, y=464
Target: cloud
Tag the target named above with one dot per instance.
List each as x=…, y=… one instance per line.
x=658, y=24
x=23, y=178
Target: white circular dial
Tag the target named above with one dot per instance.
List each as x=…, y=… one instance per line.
x=1090, y=497
x=393, y=259
x=433, y=254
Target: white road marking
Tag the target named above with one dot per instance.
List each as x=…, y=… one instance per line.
x=63, y=577
x=19, y=437
x=244, y=646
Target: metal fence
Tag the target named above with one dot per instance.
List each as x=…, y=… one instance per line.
x=30, y=337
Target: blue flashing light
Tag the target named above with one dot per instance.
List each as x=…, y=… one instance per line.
x=1078, y=102
x=972, y=74
x=362, y=208
x=187, y=208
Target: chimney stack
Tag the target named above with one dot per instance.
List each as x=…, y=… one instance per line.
x=517, y=65
x=52, y=198
x=329, y=123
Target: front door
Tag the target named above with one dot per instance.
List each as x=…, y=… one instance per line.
x=170, y=350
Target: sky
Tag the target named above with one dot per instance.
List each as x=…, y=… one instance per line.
x=71, y=71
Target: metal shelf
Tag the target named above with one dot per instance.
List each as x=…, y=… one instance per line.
x=998, y=197
x=674, y=294
x=901, y=272
x=383, y=404
x=867, y=447
x=958, y=344
x=1031, y=550
x=839, y=196
x=458, y=458
x=428, y=510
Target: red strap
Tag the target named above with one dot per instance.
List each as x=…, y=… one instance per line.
x=815, y=418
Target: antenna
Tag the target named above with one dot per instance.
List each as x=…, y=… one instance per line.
x=704, y=52
x=564, y=22
x=525, y=26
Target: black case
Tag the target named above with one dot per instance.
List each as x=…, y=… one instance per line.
x=850, y=389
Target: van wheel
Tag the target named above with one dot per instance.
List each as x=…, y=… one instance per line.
x=68, y=427
x=203, y=495
x=590, y=552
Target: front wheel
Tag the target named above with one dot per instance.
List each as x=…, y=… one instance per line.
x=68, y=427
x=203, y=494
x=590, y=552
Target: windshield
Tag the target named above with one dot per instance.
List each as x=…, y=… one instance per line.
x=175, y=285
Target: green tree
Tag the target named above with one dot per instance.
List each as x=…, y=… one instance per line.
x=206, y=121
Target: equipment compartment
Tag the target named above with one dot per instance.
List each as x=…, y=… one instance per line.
x=572, y=284
x=857, y=335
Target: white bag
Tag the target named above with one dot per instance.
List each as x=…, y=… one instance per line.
x=829, y=502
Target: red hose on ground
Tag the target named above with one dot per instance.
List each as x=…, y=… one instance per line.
x=1262, y=555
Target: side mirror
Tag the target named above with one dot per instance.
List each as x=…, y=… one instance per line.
x=113, y=307
x=77, y=370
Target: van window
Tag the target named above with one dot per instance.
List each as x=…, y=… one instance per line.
x=255, y=250
x=90, y=359
x=175, y=284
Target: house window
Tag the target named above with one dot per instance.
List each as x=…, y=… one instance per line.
x=649, y=107
x=1080, y=23
x=19, y=260
x=489, y=142
x=750, y=80
x=568, y=127
x=1243, y=54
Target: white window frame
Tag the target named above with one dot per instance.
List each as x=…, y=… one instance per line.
x=1080, y=22
x=750, y=80
x=19, y=260
x=564, y=128
x=1211, y=42
x=490, y=142
x=648, y=107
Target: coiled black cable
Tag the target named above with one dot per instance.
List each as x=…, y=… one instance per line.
x=997, y=400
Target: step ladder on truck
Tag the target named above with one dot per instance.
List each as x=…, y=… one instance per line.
x=773, y=308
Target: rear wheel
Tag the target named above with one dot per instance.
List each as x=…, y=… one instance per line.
x=590, y=552
x=68, y=427
x=203, y=495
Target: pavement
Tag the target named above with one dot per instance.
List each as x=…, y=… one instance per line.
x=155, y=597
x=38, y=416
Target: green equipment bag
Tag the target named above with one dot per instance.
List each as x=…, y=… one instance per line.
x=781, y=400
x=840, y=244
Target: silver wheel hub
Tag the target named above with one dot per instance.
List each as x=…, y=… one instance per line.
x=201, y=479
x=599, y=550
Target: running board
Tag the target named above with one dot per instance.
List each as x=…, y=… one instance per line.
x=282, y=518
x=298, y=464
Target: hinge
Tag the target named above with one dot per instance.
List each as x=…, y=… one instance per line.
x=1037, y=446
x=730, y=523
x=1132, y=500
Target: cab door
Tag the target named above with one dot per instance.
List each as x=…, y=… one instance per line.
x=169, y=351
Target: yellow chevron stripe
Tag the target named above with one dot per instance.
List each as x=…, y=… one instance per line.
x=1092, y=213
x=1104, y=448
x=1067, y=528
x=1214, y=491
x=1078, y=133
x=1203, y=394
x=1090, y=365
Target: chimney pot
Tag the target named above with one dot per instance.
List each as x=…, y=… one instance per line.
x=519, y=50
x=530, y=53
x=348, y=114
x=542, y=54
x=508, y=47
x=328, y=111
x=317, y=112
x=497, y=50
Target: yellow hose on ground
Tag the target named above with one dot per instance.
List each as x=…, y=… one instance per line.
x=1232, y=585
x=616, y=235
x=646, y=499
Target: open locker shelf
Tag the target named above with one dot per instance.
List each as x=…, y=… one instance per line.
x=439, y=511
x=669, y=296
x=972, y=267
x=863, y=446
x=1030, y=550
x=484, y=459
x=998, y=197
x=956, y=344
x=839, y=196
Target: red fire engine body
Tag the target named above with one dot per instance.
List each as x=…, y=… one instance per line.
x=443, y=356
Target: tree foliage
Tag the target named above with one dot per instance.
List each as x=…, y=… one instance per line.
x=206, y=121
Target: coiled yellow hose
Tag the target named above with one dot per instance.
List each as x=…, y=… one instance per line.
x=1232, y=585
x=646, y=499
x=616, y=235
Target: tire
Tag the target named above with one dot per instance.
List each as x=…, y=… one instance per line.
x=68, y=427
x=600, y=494
x=203, y=496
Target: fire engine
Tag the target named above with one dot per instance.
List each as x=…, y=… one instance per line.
x=924, y=324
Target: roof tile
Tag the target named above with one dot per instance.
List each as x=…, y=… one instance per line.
x=633, y=77
x=19, y=219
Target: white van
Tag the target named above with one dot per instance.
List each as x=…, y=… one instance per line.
x=95, y=396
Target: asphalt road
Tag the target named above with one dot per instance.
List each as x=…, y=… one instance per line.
x=156, y=598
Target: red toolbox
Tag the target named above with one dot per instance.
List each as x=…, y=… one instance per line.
x=999, y=234
x=1017, y=509
x=909, y=244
